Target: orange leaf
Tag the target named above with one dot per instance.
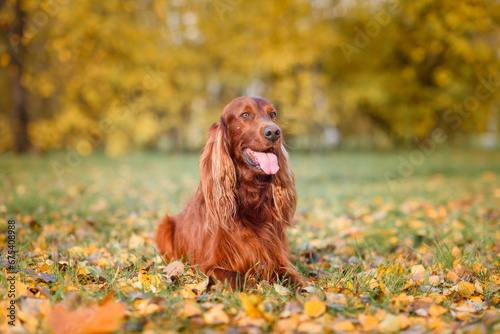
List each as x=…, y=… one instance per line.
x=89, y=320
x=190, y=309
x=249, y=306
x=465, y=288
x=368, y=322
x=216, y=315
x=314, y=307
x=436, y=310
x=452, y=276
x=343, y=326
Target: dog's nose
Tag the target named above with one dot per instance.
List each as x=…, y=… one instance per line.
x=272, y=133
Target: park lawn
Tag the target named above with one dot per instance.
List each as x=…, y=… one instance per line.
x=419, y=254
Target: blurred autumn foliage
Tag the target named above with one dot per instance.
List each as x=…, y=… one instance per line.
x=133, y=74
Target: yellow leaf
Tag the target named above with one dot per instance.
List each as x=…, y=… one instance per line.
x=417, y=269
x=478, y=286
x=343, y=326
x=197, y=288
x=190, y=309
x=187, y=294
x=368, y=322
x=150, y=282
x=389, y=325
x=434, y=280
x=452, y=276
x=435, y=323
x=249, y=306
x=216, y=315
x=314, y=307
x=310, y=327
x=477, y=268
x=404, y=322
x=281, y=290
x=45, y=268
x=409, y=285
x=437, y=297
x=465, y=288
x=380, y=315
x=436, y=310
x=144, y=307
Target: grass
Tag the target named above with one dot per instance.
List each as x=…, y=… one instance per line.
x=364, y=246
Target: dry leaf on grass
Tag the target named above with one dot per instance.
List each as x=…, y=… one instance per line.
x=314, y=307
x=368, y=322
x=344, y=326
x=106, y=318
x=249, y=303
x=175, y=268
x=436, y=310
x=216, y=315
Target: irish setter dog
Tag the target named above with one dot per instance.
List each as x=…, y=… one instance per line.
x=233, y=227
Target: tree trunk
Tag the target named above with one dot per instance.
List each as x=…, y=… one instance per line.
x=18, y=98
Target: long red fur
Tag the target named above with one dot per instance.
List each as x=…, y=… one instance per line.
x=233, y=227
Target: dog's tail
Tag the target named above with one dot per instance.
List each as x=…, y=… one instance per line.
x=165, y=237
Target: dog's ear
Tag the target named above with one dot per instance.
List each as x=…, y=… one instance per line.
x=284, y=193
x=218, y=179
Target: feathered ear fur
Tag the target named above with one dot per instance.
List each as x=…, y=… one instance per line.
x=284, y=193
x=218, y=179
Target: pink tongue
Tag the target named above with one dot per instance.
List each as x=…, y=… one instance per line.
x=268, y=162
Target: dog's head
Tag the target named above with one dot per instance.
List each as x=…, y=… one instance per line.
x=246, y=144
x=254, y=138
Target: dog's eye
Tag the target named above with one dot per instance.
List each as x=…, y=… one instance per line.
x=245, y=115
x=272, y=115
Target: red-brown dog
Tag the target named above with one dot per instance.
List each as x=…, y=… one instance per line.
x=234, y=226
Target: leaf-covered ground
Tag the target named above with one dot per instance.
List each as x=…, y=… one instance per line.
x=422, y=257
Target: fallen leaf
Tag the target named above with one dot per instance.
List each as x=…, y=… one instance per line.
x=389, y=325
x=452, y=276
x=190, y=309
x=335, y=298
x=478, y=287
x=434, y=280
x=465, y=288
x=281, y=290
x=175, y=268
x=106, y=318
x=436, y=310
x=422, y=312
x=404, y=322
x=344, y=326
x=249, y=306
x=216, y=315
x=368, y=322
x=310, y=327
x=150, y=282
x=417, y=269
x=197, y=288
x=314, y=307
